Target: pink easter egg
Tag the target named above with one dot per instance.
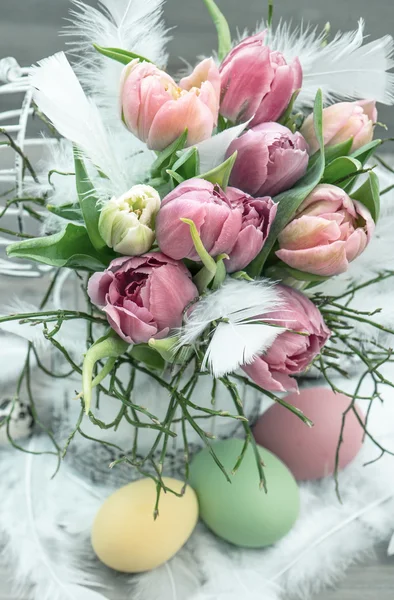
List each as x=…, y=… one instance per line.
x=309, y=453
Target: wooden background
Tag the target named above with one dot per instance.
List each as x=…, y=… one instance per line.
x=29, y=31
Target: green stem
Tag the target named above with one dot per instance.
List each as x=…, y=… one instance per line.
x=110, y=346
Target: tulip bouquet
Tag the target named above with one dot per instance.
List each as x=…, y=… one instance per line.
x=210, y=215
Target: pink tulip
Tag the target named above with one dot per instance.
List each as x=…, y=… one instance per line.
x=158, y=111
x=328, y=231
x=230, y=223
x=143, y=297
x=258, y=215
x=343, y=121
x=257, y=82
x=270, y=159
x=291, y=353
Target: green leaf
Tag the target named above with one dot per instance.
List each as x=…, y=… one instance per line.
x=168, y=157
x=70, y=248
x=287, y=114
x=88, y=203
x=188, y=163
x=364, y=153
x=281, y=270
x=289, y=201
x=147, y=355
x=220, y=175
x=178, y=179
x=338, y=171
x=368, y=194
x=222, y=28
x=333, y=152
x=120, y=55
x=69, y=211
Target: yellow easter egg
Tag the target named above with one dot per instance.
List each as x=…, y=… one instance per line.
x=127, y=538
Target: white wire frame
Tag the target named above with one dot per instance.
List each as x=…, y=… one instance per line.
x=14, y=81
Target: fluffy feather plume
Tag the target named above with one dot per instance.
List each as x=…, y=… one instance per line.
x=240, y=336
x=60, y=97
x=342, y=68
x=26, y=532
x=129, y=24
x=177, y=579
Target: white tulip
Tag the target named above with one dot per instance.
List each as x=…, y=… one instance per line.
x=127, y=223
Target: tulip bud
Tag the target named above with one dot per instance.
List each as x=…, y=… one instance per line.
x=341, y=122
x=127, y=223
x=257, y=83
x=270, y=159
x=158, y=110
x=329, y=230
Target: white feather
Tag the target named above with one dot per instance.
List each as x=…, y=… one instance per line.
x=212, y=152
x=239, y=338
x=58, y=571
x=129, y=24
x=342, y=68
x=60, y=97
x=56, y=158
x=178, y=579
x=235, y=344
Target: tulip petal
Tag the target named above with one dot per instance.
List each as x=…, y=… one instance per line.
x=205, y=77
x=325, y=198
x=137, y=241
x=334, y=118
x=275, y=103
x=98, y=287
x=221, y=228
x=153, y=96
x=248, y=245
x=170, y=292
x=285, y=168
x=128, y=325
x=369, y=107
x=173, y=236
x=260, y=373
x=251, y=166
x=308, y=232
x=177, y=115
x=324, y=260
x=246, y=78
x=356, y=244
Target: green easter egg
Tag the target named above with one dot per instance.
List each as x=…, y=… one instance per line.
x=240, y=512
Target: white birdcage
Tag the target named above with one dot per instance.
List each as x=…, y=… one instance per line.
x=14, y=82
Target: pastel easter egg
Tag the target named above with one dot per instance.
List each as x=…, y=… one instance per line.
x=240, y=512
x=127, y=538
x=310, y=452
